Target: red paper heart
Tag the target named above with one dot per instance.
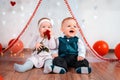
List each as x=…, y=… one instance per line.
x=12, y=3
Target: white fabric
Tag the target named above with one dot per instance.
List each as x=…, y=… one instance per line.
x=48, y=43
x=57, y=69
x=84, y=70
x=39, y=59
x=46, y=20
x=81, y=49
x=48, y=66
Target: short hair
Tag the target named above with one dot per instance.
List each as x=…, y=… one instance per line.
x=68, y=18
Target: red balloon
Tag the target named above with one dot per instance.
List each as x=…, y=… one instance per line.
x=18, y=46
x=1, y=78
x=0, y=47
x=101, y=47
x=117, y=51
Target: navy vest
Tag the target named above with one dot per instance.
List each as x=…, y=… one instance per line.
x=68, y=46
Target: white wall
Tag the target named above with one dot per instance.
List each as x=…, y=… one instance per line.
x=99, y=19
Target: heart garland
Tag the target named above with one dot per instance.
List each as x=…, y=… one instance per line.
x=12, y=3
x=26, y=26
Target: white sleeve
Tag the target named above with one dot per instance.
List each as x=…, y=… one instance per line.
x=52, y=43
x=81, y=48
x=55, y=51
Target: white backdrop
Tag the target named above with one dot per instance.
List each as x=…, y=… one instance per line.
x=99, y=19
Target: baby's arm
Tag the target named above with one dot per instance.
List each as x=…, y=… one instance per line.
x=52, y=43
x=81, y=50
x=55, y=51
x=36, y=43
x=55, y=54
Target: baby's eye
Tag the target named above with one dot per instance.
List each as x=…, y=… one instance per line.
x=74, y=26
x=43, y=26
x=69, y=26
x=49, y=26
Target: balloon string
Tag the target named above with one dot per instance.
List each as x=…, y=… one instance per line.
x=81, y=32
x=26, y=26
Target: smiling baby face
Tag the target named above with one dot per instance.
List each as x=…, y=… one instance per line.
x=69, y=27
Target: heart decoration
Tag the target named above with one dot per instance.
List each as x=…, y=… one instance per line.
x=12, y=3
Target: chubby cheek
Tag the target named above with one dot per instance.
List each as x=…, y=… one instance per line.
x=66, y=33
x=41, y=31
x=66, y=30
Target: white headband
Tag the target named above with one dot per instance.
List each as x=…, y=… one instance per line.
x=46, y=20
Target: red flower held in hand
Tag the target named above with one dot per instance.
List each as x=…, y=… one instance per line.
x=47, y=34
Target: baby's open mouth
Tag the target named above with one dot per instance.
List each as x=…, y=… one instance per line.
x=71, y=31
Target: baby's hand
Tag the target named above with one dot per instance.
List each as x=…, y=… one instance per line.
x=80, y=58
x=54, y=55
x=38, y=46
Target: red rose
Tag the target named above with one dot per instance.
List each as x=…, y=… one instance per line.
x=47, y=34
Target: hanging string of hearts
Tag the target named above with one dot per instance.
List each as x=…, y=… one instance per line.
x=26, y=26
